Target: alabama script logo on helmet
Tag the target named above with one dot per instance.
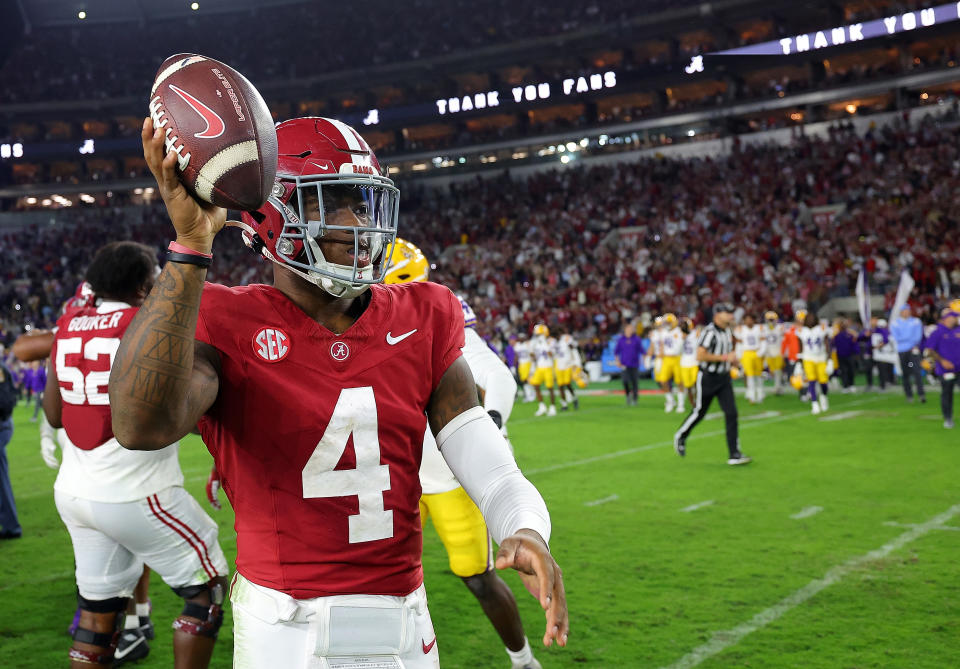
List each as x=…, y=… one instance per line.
x=271, y=344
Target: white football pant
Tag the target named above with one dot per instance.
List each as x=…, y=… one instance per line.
x=272, y=629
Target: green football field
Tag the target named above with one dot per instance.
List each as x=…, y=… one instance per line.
x=837, y=547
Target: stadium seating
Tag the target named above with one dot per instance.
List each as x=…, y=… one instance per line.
x=584, y=248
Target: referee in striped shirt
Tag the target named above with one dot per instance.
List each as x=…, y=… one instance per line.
x=715, y=353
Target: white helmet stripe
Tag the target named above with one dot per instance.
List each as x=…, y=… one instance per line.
x=351, y=138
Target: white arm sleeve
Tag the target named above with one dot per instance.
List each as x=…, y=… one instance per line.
x=479, y=457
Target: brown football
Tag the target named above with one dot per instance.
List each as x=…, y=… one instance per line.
x=220, y=128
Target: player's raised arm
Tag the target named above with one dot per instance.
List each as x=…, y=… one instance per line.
x=162, y=379
x=514, y=511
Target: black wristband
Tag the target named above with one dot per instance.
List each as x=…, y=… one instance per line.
x=189, y=259
x=497, y=418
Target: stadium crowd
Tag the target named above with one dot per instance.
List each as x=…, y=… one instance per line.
x=584, y=249
x=397, y=30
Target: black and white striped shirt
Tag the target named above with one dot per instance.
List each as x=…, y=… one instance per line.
x=717, y=342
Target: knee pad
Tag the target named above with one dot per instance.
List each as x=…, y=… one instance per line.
x=113, y=605
x=210, y=615
x=107, y=641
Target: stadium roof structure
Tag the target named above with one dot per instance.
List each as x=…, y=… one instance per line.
x=48, y=13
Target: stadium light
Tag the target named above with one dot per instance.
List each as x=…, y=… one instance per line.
x=81, y=15
x=851, y=108
x=565, y=159
x=194, y=6
x=31, y=200
x=691, y=132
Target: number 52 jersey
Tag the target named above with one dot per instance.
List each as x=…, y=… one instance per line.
x=318, y=436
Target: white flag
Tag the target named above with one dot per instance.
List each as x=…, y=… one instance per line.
x=903, y=292
x=863, y=298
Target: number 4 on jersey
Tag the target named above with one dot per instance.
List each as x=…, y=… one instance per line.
x=356, y=414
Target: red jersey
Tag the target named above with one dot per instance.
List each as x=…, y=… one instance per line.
x=83, y=351
x=318, y=436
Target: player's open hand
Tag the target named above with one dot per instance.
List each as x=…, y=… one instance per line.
x=196, y=222
x=526, y=552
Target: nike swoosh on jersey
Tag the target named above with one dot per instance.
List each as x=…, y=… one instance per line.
x=393, y=341
x=427, y=647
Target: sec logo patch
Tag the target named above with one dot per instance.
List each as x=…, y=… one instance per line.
x=271, y=344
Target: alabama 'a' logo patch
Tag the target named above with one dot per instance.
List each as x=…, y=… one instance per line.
x=339, y=351
x=271, y=344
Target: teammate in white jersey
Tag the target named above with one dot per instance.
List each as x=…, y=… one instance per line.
x=124, y=508
x=814, y=351
x=456, y=518
x=750, y=338
x=772, y=349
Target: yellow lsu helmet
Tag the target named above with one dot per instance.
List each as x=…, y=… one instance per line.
x=658, y=321
x=955, y=306
x=796, y=381
x=541, y=329
x=670, y=320
x=770, y=316
x=407, y=264
x=801, y=315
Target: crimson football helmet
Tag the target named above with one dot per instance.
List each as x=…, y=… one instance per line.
x=326, y=166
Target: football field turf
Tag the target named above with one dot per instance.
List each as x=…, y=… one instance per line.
x=836, y=547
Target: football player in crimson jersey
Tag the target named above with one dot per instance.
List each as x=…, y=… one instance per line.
x=455, y=517
x=124, y=509
x=36, y=345
x=313, y=396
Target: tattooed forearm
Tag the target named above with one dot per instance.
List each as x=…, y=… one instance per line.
x=456, y=392
x=152, y=381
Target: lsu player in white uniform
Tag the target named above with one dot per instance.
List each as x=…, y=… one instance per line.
x=654, y=356
x=567, y=360
x=814, y=351
x=773, y=349
x=671, y=349
x=689, y=366
x=750, y=359
x=542, y=348
x=456, y=518
x=524, y=363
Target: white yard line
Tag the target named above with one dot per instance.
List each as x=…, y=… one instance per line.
x=807, y=512
x=598, y=502
x=698, y=505
x=662, y=444
x=724, y=639
x=947, y=528
x=843, y=415
x=761, y=416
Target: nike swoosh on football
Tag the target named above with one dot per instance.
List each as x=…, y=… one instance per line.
x=120, y=654
x=427, y=647
x=393, y=341
x=215, y=124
